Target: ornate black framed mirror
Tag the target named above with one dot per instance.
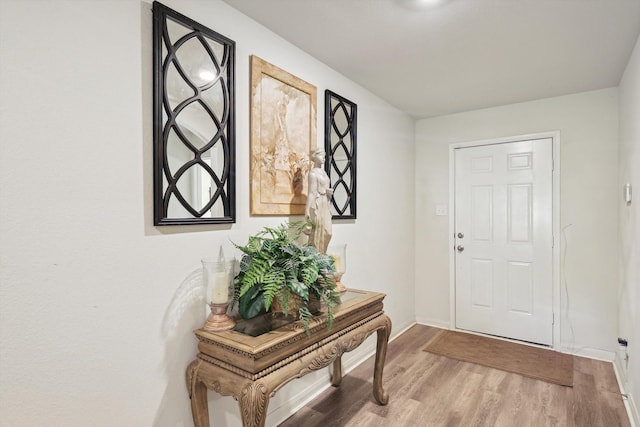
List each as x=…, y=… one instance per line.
x=193, y=121
x=340, y=125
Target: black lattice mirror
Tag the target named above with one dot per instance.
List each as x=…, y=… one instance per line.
x=194, y=134
x=340, y=145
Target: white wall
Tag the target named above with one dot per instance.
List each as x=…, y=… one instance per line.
x=629, y=290
x=97, y=306
x=588, y=124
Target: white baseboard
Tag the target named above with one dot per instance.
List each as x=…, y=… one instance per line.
x=591, y=353
x=436, y=323
x=621, y=372
x=632, y=408
x=404, y=329
x=628, y=399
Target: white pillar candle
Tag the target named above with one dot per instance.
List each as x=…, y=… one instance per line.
x=220, y=287
x=216, y=277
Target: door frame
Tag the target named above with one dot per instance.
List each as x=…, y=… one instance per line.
x=556, y=274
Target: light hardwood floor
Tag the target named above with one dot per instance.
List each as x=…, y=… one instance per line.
x=430, y=390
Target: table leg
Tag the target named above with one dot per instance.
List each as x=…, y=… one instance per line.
x=198, y=395
x=381, y=353
x=253, y=402
x=336, y=376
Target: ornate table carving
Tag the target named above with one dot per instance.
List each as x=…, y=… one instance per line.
x=252, y=369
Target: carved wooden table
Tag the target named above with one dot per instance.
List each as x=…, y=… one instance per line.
x=253, y=361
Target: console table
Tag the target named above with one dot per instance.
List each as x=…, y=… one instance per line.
x=254, y=360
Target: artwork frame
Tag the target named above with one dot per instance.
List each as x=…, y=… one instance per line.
x=283, y=134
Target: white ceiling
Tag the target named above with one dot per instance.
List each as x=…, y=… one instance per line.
x=464, y=54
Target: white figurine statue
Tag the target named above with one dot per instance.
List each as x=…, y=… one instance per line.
x=318, y=208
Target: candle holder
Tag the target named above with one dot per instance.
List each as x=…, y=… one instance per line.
x=339, y=255
x=217, y=279
x=218, y=320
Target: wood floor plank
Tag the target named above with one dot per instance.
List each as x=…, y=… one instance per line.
x=428, y=390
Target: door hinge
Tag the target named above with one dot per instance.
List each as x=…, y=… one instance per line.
x=553, y=318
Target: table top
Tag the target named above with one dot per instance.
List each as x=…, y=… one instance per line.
x=258, y=343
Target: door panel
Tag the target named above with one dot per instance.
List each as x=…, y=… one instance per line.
x=482, y=282
x=503, y=208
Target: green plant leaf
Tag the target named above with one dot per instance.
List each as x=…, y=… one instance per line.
x=270, y=290
x=251, y=303
x=305, y=316
x=284, y=295
x=299, y=289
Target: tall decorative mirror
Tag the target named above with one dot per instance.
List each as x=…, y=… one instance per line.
x=340, y=122
x=194, y=121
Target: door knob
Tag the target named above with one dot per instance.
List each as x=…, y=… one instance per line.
x=460, y=248
x=460, y=235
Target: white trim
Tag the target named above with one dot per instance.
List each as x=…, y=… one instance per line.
x=627, y=399
x=436, y=323
x=405, y=329
x=588, y=352
x=452, y=238
x=556, y=288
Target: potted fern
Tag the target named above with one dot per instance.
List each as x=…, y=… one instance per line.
x=276, y=269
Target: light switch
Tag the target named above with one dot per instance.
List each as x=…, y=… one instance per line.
x=441, y=210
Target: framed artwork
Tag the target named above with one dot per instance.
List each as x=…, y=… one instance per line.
x=340, y=134
x=283, y=133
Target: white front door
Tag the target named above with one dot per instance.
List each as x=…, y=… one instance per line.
x=504, y=239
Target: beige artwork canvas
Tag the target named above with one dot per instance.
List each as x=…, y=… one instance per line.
x=283, y=133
